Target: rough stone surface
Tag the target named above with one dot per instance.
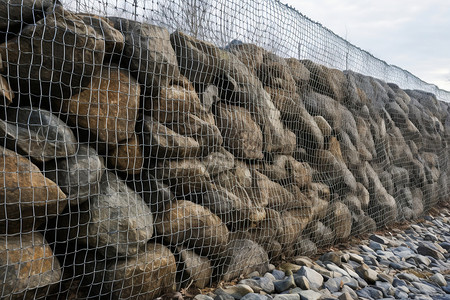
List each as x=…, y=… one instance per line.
x=31, y=270
x=55, y=56
x=29, y=198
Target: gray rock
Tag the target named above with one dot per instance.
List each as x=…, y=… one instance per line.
x=350, y=291
x=78, y=176
x=204, y=297
x=260, y=284
x=439, y=279
x=333, y=284
x=367, y=273
x=284, y=284
x=376, y=246
x=37, y=133
x=331, y=257
x=398, y=294
x=426, y=288
x=254, y=296
x=116, y=219
x=356, y=257
x=313, y=276
x=278, y=274
x=309, y=295
x=302, y=282
x=236, y=291
x=147, y=47
x=429, y=250
x=197, y=270
x=345, y=296
x=335, y=268
x=386, y=288
x=370, y=293
x=287, y=297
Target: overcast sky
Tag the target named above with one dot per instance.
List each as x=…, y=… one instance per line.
x=411, y=34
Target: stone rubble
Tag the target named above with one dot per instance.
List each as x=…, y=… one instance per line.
x=349, y=277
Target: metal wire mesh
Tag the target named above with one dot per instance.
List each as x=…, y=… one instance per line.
x=152, y=146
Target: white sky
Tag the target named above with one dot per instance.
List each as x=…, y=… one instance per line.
x=411, y=34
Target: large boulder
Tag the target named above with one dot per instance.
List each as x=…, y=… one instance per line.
x=128, y=156
x=28, y=197
x=162, y=142
x=242, y=257
x=339, y=220
x=31, y=270
x=17, y=13
x=116, y=221
x=148, y=53
x=147, y=275
x=37, y=133
x=114, y=39
x=108, y=107
x=191, y=224
x=57, y=56
x=242, y=136
x=193, y=269
x=78, y=176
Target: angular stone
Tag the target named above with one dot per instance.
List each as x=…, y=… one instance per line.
x=57, y=55
x=309, y=295
x=37, y=133
x=116, y=220
x=428, y=250
x=314, y=277
x=108, y=107
x=78, y=176
x=128, y=156
x=196, y=269
x=29, y=198
x=259, y=284
x=242, y=136
x=241, y=257
x=148, y=53
x=218, y=162
x=284, y=284
x=339, y=220
x=439, y=279
x=5, y=90
x=31, y=270
x=162, y=142
x=17, y=13
x=367, y=273
x=184, y=222
x=147, y=275
x=114, y=39
x=320, y=234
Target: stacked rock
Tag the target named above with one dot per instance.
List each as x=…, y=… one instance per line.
x=136, y=161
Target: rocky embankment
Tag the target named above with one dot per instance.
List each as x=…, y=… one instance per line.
x=401, y=264
x=138, y=161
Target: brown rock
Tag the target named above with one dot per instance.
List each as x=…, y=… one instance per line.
x=162, y=142
x=339, y=219
x=277, y=197
x=197, y=270
x=128, y=157
x=175, y=101
x=108, y=107
x=147, y=275
x=299, y=72
x=5, y=90
x=300, y=172
x=193, y=225
x=242, y=136
x=58, y=55
x=28, y=197
x=218, y=162
x=31, y=270
x=186, y=176
x=14, y=13
x=250, y=55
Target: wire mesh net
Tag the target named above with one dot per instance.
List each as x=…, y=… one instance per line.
x=153, y=146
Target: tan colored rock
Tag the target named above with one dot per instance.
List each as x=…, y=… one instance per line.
x=5, y=90
x=185, y=175
x=31, y=270
x=270, y=228
x=301, y=172
x=14, y=13
x=299, y=72
x=275, y=72
x=250, y=55
x=108, y=107
x=162, y=142
x=175, y=101
x=323, y=125
x=242, y=136
x=147, y=275
x=197, y=270
x=58, y=55
x=114, y=39
x=191, y=224
x=277, y=197
x=339, y=219
x=335, y=148
x=28, y=197
x=128, y=157
x=218, y=162
x=293, y=227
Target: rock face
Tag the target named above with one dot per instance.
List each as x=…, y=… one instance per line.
x=29, y=197
x=30, y=266
x=152, y=160
x=55, y=56
x=109, y=107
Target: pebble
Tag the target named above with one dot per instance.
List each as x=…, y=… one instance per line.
x=406, y=264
